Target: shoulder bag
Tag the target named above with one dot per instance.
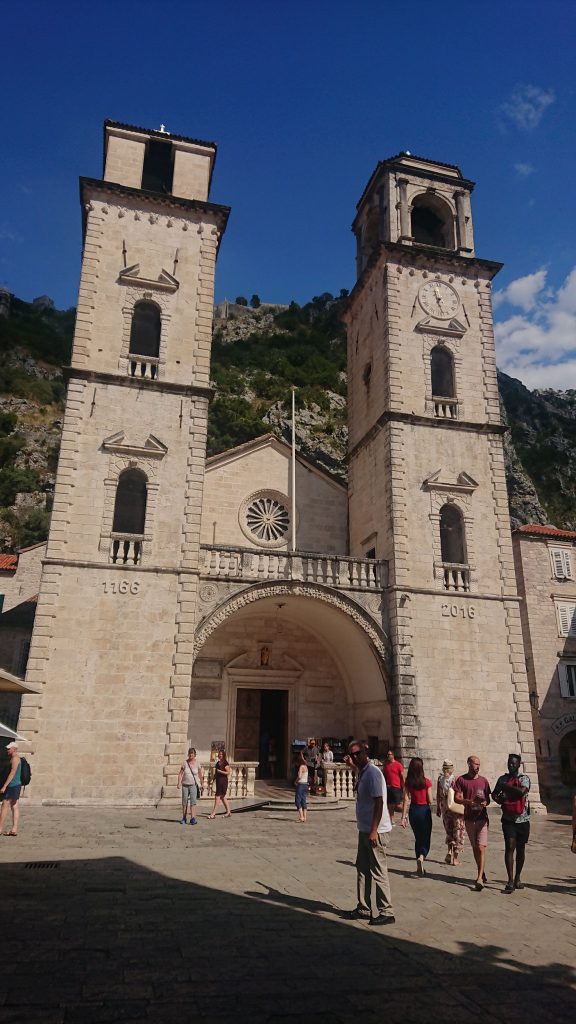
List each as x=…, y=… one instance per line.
x=453, y=807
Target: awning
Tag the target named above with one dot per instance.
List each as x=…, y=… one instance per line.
x=14, y=684
x=5, y=730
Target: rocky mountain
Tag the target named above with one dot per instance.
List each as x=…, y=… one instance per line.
x=258, y=355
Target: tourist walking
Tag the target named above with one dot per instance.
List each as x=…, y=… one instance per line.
x=473, y=791
x=418, y=792
x=191, y=780
x=374, y=902
x=393, y=772
x=453, y=822
x=301, y=783
x=221, y=776
x=511, y=792
x=10, y=791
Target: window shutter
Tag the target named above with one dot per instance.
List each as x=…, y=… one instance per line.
x=564, y=619
x=558, y=563
x=567, y=678
x=562, y=564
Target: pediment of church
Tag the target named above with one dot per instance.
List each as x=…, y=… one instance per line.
x=454, y=328
x=164, y=281
x=151, y=447
x=441, y=481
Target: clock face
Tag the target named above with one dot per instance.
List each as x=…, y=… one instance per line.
x=439, y=299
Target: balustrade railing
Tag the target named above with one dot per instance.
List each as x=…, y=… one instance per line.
x=446, y=408
x=143, y=366
x=240, y=781
x=125, y=549
x=339, y=781
x=456, y=577
x=332, y=570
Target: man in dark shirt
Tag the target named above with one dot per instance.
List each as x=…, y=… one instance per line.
x=511, y=792
x=473, y=791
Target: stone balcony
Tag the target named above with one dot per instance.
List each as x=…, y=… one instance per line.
x=248, y=566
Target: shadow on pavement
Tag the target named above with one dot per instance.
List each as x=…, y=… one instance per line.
x=100, y=941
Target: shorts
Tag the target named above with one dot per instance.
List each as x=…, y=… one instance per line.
x=477, y=831
x=394, y=796
x=12, y=793
x=518, y=830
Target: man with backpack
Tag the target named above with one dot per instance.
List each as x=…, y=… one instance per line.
x=511, y=792
x=18, y=776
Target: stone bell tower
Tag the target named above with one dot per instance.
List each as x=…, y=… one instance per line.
x=427, y=486
x=112, y=645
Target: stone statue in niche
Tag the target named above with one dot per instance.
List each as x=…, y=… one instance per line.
x=264, y=656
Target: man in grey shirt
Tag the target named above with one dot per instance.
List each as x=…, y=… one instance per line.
x=374, y=828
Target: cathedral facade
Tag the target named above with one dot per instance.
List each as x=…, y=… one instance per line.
x=249, y=599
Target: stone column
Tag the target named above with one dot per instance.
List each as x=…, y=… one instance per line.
x=461, y=211
x=405, y=229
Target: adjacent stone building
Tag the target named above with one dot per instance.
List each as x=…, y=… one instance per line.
x=249, y=599
x=546, y=570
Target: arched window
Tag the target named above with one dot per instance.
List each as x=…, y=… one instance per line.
x=432, y=221
x=452, y=538
x=130, y=503
x=442, y=371
x=145, y=330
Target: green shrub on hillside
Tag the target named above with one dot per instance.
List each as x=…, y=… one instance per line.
x=16, y=481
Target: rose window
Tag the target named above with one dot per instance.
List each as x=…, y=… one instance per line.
x=267, y=518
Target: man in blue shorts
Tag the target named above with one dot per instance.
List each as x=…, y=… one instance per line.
x=10, y=791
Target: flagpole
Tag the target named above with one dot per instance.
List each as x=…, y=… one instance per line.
x=293, y=467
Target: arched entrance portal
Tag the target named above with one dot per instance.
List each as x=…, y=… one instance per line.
x=275, y=665
x=567, y=754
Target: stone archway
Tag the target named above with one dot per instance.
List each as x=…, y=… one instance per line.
x=318, y=647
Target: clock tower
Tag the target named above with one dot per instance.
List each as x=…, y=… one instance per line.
x=427, y=489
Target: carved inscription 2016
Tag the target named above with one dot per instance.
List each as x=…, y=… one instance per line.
x=122, y=587
x=458, y=611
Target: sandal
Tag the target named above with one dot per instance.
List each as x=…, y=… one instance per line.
x=11, y=833
x=211, y=817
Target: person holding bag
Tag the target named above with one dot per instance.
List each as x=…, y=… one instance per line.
x=191, y=780
x=452, y=821
x=511, y=792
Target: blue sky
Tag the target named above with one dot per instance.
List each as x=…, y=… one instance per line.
x=303, y=100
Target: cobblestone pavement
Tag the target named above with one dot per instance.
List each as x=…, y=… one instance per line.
x=111, y=915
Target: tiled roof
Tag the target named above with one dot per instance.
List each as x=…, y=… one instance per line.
x=536, y=530
x=8, y=562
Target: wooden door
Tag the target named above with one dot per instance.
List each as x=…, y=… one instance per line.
x=247, y=746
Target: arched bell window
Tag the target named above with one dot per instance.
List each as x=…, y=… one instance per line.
x=130, y=503
x=145, y=330
x=432, y=222
x=442, y=372
x=452, y=536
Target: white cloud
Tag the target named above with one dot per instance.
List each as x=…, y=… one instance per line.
x=526, y=106
x=538, y=345
x=524, y=170
x=523, y=292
